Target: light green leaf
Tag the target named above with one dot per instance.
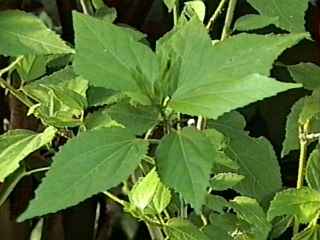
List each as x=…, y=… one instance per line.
x=170, y=4
x=117, y=61
x=224, y=181
x=216, y=203
x=306, y=73
x=161, y=198
x=252, y=22
x=258, y=163
x=304, y=203
x=184, y=160
x=291, y=13
x=100, y=119
x=309, y=233
x=30, y=37
x=179, y=229
x=250, y=211
x=16, y=145
x=137, y=119
x=32, y=67
x=92, y=162
x=228, y=72
x=313, y=170
x=195, y=8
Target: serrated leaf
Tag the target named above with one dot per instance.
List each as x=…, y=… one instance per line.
x=249, y=210
x=224, y=181
x=311, y=108
x=99, y=119
x=137, y=119
x=309, y=233
x=216, y=203
x=143, y=191
x=161, y=198
x=313, y=170
x=92, y=162
x=253, y=21
x=184, y=161
x=258, y=163
x=306, y=73
x=31, y=37
x=229, y=70
x=118, y=61
x=179, y=229
x=304, y=203
x=291, y=13
x=16, y=145
x=195, y=8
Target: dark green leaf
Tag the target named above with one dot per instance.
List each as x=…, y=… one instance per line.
x=313, y=170
x=306, y=73
x=224, y=181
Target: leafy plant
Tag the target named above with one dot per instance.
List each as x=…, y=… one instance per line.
x=160, y=125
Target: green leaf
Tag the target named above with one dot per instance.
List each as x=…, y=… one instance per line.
x=195, y=8
x=137, y=119
x=16, y=145
x=250, y=211
x=258, y=163
x=100, y=119
x=313, y=170
x=32, y=67
x=291, y=141
x=252, y=22
x=309, y=233
x=117, y=61
x=224, y=181
x=170, y=4
x=161, y=198
x=99, y=96
x=304, y=203
x=22, y=33
x=184, y=161
x=280, y=225
x=143, y=191
x=291, y=13
x=216, y=203
x=311, y=108
x=92, y=162
x=306, y=73
x=179, y=229
x=228, y=72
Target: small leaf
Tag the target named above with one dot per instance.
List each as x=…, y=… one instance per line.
x=99, y=96
x=291, y=13
x=192, y=151
x=313, y=170
x=306, y=73
x=195, y=8
x=280, y=225
x=100, y=119
x=252, y=22
x=179, y=229
x=170, y=4
x=309, y=233
x=161, y=198
x=304, y=203
x=224, y=181
x=216, y=203
x=31, y=37
x=92, y=162
x=16, y=145
x=32, y=67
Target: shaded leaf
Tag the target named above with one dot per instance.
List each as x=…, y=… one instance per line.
x=224, y=181
x=216, y=203
x=252, y=22
x=309, y=233
x=313, y=170
x=306, y=73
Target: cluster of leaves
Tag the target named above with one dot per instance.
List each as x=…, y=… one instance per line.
x=132, y=111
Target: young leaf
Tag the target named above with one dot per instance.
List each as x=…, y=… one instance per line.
x=22, y=33
x=228, y=70
x=179, y=229
x=304, y=203
x=258, y=163
x=291, y=13
x=309, y=233
x=313, y=170
x=252, y=22
x=99, y=119
x=16, y=145
x=130, y=66
x=250, y=211
x=170, y=4
x=306, y=73
x=92, y=162
x=161, y=198
x=224, y=181
x=184, y=160
x=195, y=8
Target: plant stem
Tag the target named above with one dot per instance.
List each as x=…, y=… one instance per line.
x=155, y=232
x=175, y=16
x=215, y=15
x=11, y=66
x=303, y=132
x=115, y=198
x=228, y=21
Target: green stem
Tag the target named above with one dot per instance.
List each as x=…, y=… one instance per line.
x=175, y=16
x=216, y=14
x=115, y=198
x=228, y=21
x=84, y=7
x=153, y=141
x=11, y=66
x=155, y=232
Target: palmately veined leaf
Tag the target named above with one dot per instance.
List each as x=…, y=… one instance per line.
x=31, y=37
x=92, y=162
x=249, y=210
x=313, y=170
x=255, y=156
x=180, y=229
x=230, y=74
x=253, y=21
x=224, y=181
x=117, y=61
x=309, y=233
x=306, y=73
x=291, y=13
x=304, y=203
x=16, y=145
x=184, y=161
